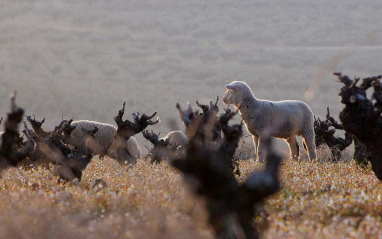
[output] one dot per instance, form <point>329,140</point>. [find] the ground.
<point>317,200</point>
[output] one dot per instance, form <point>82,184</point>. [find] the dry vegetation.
<point>318,200</point>
<point>100,53</point>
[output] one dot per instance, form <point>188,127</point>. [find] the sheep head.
<point>236,92</point>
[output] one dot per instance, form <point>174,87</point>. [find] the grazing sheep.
<point>176,138</point>
<point>173,145</point>
<point>104,143</point>
<point>286,119</point>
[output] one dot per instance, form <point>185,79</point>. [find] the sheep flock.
<point>206,152</point>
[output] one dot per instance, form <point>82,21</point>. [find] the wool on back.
<point>103,138</point>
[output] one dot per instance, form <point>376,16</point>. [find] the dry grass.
<point>101,53</point>
<point>146,201</point>
<point>318,200</point>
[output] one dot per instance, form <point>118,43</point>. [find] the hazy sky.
<point>83,59</point>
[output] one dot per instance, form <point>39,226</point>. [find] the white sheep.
<point>176,138</point>
<point>103,143</point>
<point>284,119</point>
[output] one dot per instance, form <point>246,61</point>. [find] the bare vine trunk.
<point>231,205</point>
<point>362,117</point>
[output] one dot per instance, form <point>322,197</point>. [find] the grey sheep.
<point>282,119</point>
<point>104,143</point>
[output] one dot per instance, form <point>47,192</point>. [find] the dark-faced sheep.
<point>287,118</point>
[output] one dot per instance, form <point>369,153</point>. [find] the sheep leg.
<point>255,143</point>
<point>293,147</point>
<point>305,146</point>
<point>261,151</point>
<point>308,140</point>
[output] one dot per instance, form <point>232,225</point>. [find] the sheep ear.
<point>231,87</point>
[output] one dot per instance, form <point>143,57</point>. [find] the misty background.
<point>83,59</point>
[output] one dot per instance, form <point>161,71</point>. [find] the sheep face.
<point>227,98</point>
<point>235,92</point>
